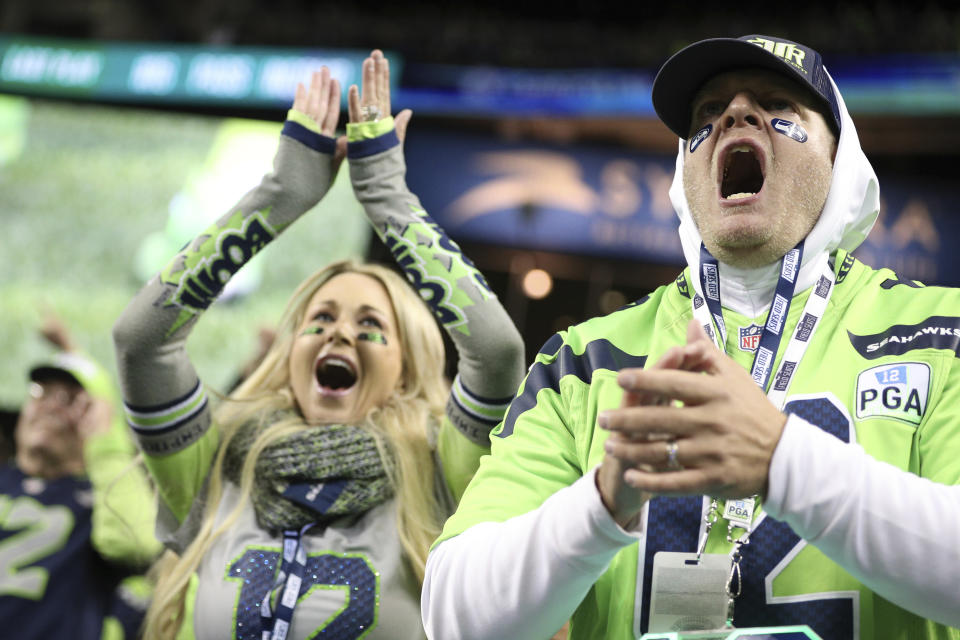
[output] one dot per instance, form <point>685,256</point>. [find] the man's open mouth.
<point>335,373</point>
<point>742,173</point>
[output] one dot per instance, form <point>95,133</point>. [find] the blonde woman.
<point>305,506</point>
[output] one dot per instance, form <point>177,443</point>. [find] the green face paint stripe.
<point>373,336</point>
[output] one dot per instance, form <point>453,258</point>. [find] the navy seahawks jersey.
<point>53,584</point>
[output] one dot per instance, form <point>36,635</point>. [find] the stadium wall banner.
<point>160,73</point>
<point>242,77</point>
<point>613,202</point>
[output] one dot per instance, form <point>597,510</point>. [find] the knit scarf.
<point>340,462</point>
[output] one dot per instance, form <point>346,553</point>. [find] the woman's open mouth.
<point>335,375</point>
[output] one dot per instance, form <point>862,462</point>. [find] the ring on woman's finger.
<point>370,113</point>
<point>672,463</point>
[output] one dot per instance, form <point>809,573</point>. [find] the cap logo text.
<point>787,50</point>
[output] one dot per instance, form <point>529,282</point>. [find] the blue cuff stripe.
<point>161,408</point>
<point>484,400</point>
<point>371,146</point>
<point>148,431</point>
<point>476,417</point>
<point>312,139</point>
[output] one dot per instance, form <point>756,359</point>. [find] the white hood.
<point>852,206</point>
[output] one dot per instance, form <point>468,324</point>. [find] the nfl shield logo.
<point>750,337</point>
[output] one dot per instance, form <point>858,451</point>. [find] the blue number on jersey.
<point>670,529</point>
<point>257,569</point>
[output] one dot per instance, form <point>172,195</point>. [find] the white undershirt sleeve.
<point>521,578</point>
<point>898,533</point>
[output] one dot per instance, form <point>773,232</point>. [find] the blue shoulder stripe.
<point>550,346</point>
<point>599,354</point>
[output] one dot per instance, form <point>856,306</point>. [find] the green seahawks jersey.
<point>891,386</point>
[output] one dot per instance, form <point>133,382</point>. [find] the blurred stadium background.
<point>125,127</point>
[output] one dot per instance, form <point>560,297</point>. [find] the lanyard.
<point>275,622</point>
<point>707,309</point>
<point>318,497</point>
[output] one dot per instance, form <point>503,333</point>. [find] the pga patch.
<point>898,391</point>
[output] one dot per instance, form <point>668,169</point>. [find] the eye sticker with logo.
<point>789,129</point>
<point>311,330</point>
<point>700,136</point>
<point>373,336</point>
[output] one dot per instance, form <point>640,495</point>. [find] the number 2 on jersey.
<point>256,570</point>
<point>40,531</point>
<point>773,547</point>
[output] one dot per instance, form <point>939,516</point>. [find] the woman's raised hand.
<point>321,101</point>
<point>372,101</point>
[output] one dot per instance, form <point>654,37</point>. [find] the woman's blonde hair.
<point>404,428</point>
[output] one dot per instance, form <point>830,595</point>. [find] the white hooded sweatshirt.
<point>559,550</point>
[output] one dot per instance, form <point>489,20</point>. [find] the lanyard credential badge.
<point>739,512</point>
<point>689,591</point>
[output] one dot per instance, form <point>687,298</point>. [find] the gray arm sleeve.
<point>166,406</point>
<point>489,347</point>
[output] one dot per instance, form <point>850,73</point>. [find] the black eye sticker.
<point>789,129</point>
<point>700,136</point>
<point>373,336</point>
<point>311,330</point>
